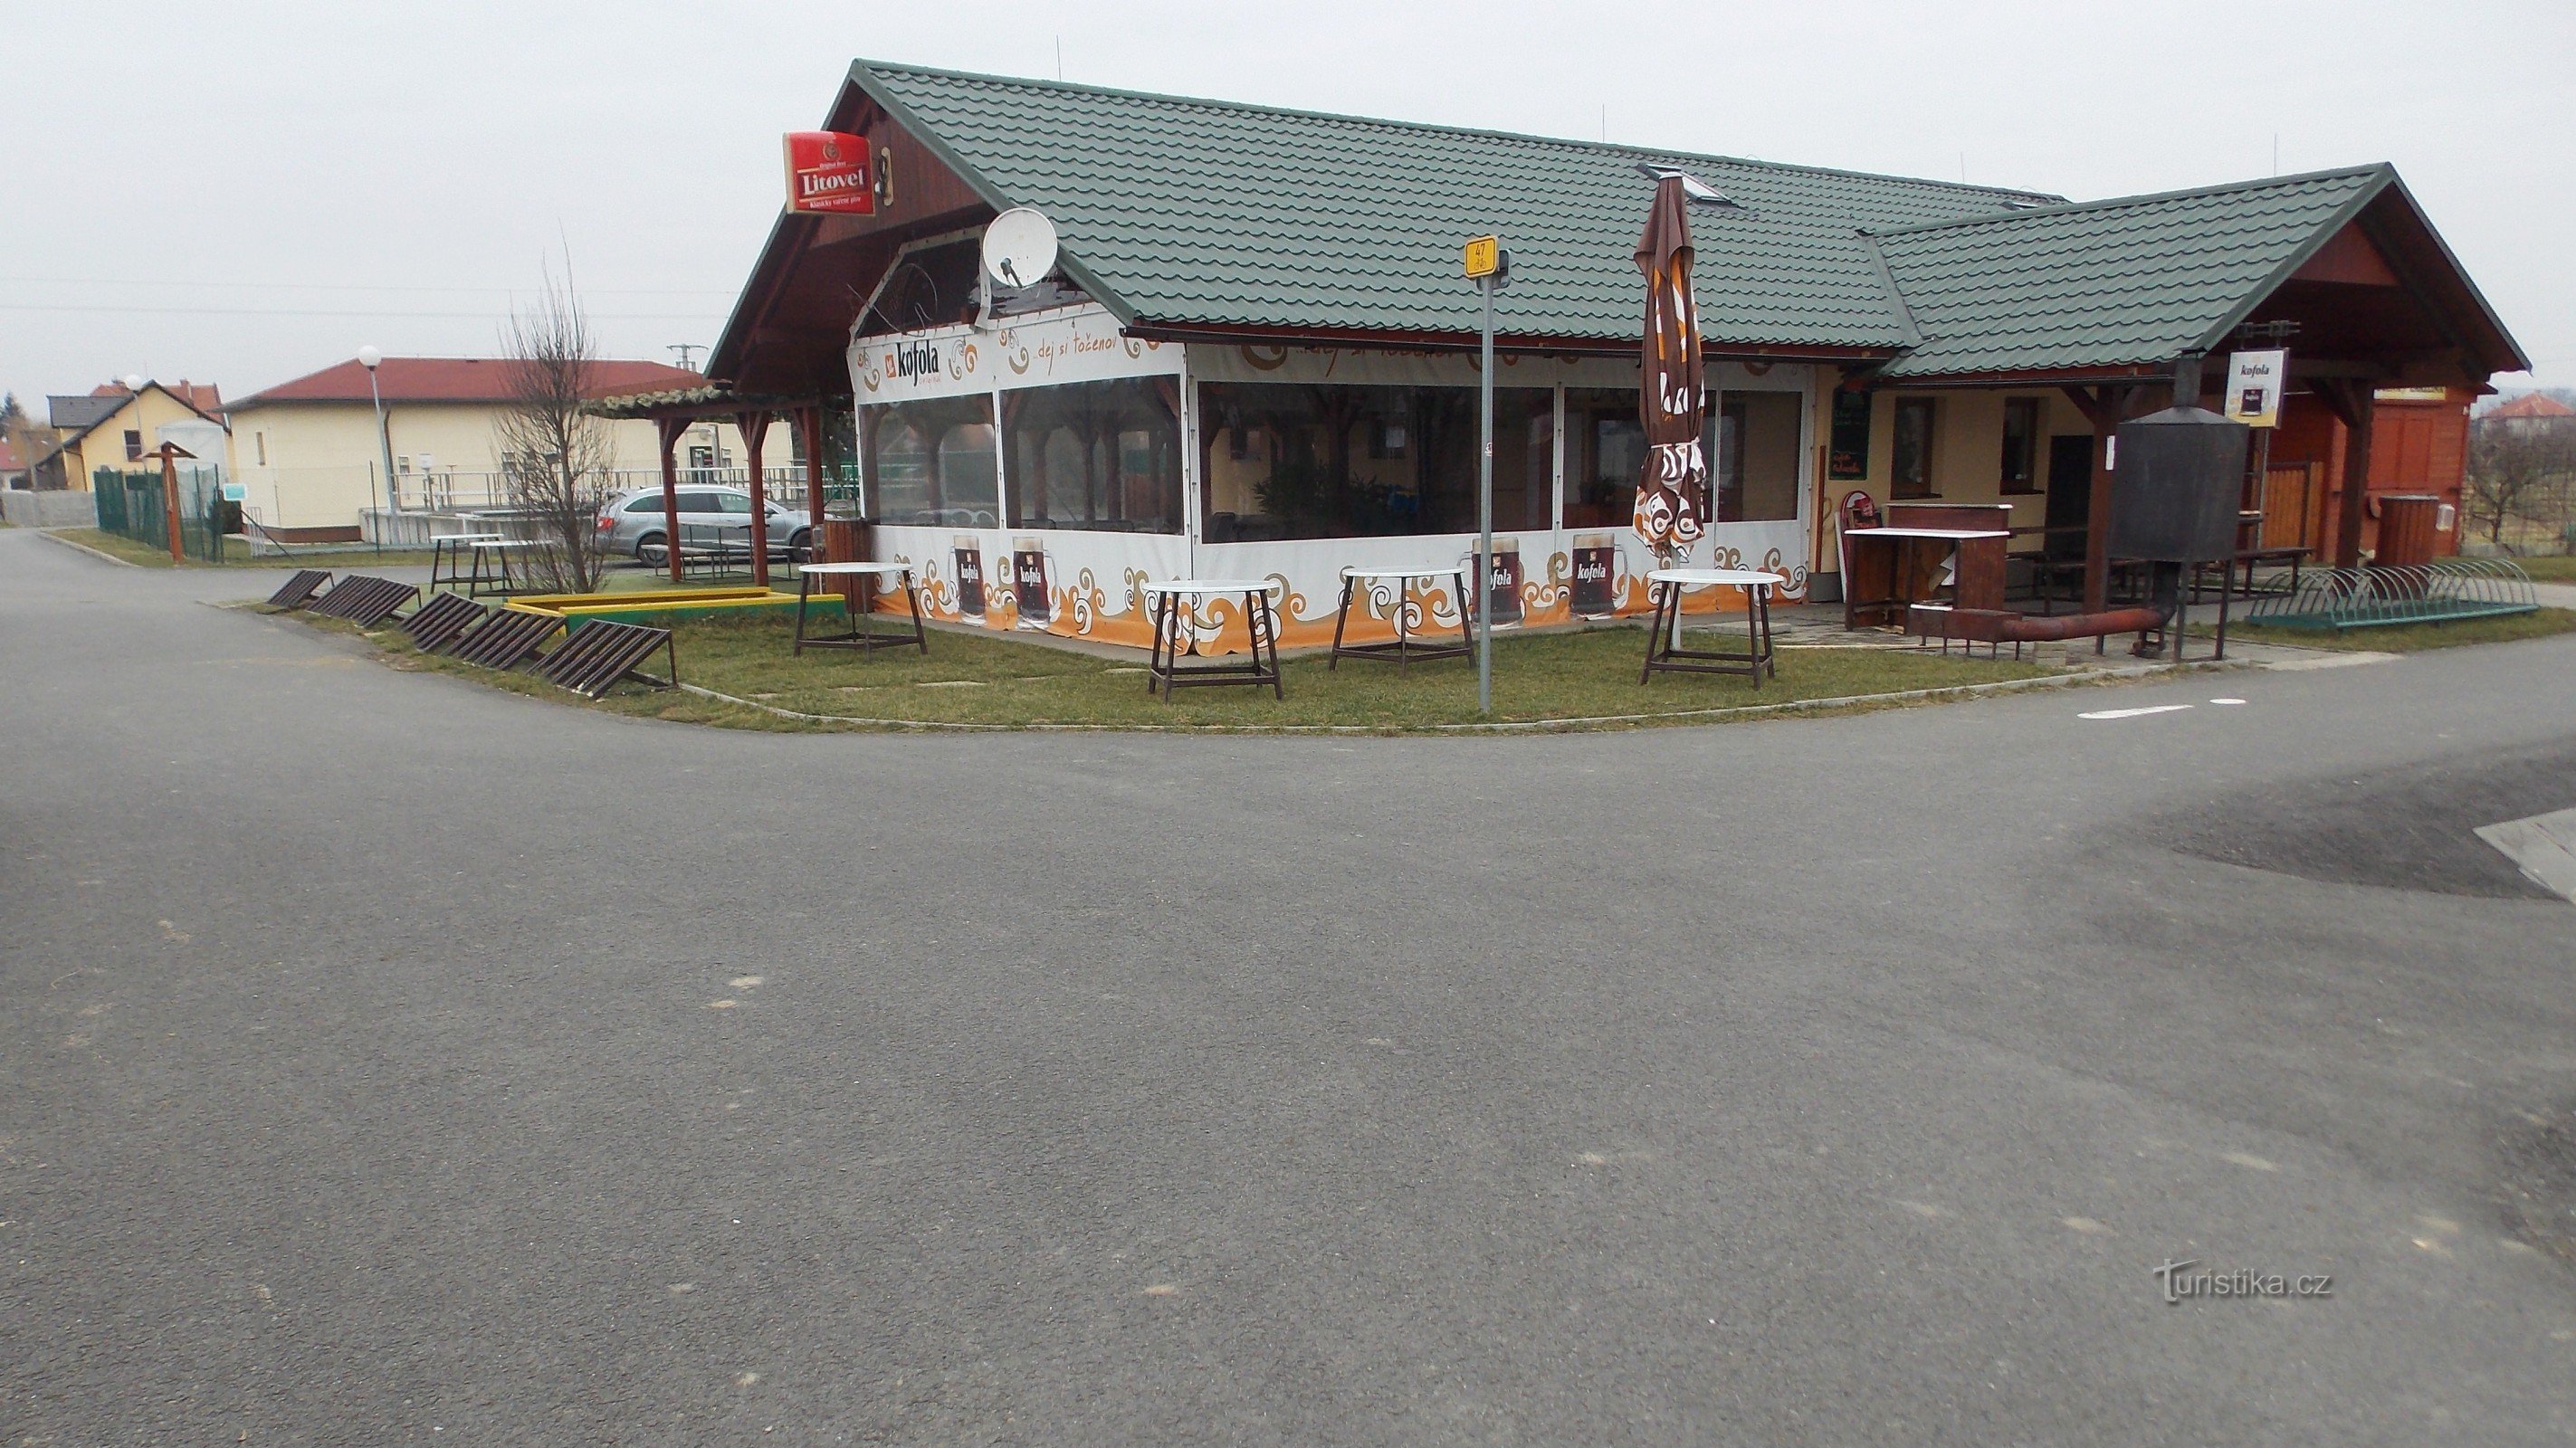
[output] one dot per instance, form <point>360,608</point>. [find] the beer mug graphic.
<point>1503,583</point>
<point>1031,568</point>
<point>970,576</point>
<point>1596,575</point>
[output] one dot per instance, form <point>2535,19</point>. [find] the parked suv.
<point>632,523</point>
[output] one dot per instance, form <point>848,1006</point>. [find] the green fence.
<point>133,505</point>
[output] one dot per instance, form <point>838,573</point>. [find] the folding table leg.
<point>1270,624</point>
<point>1403,635</point>
<point>1340,619</point>
<point>1154,657</point>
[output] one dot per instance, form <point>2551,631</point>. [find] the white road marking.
<point>2132,713</point>
<point>2227,701</point>
<point>2328,661</point>
<point>2543,846</point>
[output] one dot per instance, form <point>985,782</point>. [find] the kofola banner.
<point>828,173</point>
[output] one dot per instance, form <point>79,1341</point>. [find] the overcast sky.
<point>243,193</point>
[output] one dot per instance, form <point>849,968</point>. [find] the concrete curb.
<point>85,548</point>
<point>2123,674</point>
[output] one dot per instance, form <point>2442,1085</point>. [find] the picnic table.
<point>1392,582</point>
<point>1173,599</point>
<point>1663,651</point>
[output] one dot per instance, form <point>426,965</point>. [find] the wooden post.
<point>754,425</point>
<point>2351,402</point>
<point>2102,406</point>
<point>670,429</point>
<point>170,497</point>
<point>809,420</point>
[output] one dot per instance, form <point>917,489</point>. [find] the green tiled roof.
<point>2108,283</point>
<point>1201,212</point>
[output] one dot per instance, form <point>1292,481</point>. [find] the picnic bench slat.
<point>600,653</point>
<point>437,623</point>
<point>299,588</point>
<point>507,638</point>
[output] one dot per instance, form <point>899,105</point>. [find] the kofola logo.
<point>913,359</point>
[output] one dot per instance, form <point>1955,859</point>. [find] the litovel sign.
<point>828,174</point>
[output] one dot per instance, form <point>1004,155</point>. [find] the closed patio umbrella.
<point>1670,513</point>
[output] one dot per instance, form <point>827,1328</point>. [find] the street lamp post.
<point>370,358</point>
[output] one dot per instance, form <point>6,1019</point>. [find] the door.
<point>2291,500</point>
<point>2070,493</point>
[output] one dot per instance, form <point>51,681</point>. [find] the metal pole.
<point>170,502</point>
<point>1485,512</point>
<point>384,440</point>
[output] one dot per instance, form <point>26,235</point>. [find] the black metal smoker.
<point>2178,484</point>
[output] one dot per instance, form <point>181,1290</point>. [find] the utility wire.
<point>325,312</point>
<point>353,287</point>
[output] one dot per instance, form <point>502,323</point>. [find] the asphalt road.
<point>385,1059</point>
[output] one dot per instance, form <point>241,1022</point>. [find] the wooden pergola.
<point>2372,300</point>
<point>674,413</point>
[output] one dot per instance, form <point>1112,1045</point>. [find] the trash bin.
<point>850,540</point>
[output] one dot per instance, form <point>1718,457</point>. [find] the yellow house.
<point>311,460</point>
<point>117,426</point>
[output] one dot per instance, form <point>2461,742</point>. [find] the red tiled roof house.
<point>309,457</point>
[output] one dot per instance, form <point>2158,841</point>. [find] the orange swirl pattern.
<point>1082,610</point>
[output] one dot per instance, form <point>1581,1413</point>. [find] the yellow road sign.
<point>1484,257</point>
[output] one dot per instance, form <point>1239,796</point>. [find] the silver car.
<point>633,524</point>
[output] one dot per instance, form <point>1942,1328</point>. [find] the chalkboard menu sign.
<point>1848,460</point>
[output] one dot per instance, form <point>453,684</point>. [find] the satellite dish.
<point>1019,247</point>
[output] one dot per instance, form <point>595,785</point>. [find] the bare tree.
<point>2520,473</point>
<point>21,432</point>
<point>556,457</point>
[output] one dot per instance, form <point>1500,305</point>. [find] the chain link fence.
<point>136,505</point>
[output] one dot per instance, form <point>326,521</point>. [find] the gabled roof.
<point>2533,404</point>
<point>2137,280</point>
<point>2140,280</point>
<point>1194,213</point>
<point>82,413</point>
<point>106,400</point>
<point>454,379</point>
<point>205,397</point>
<point>1195,218</point>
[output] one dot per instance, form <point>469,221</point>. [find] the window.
<point>1910,471</point>
<point>1101,455</point>
<point>1287,460</point>
<point>935,462</point>
<point>1750,446</point>
<point>2021,445</point>
<point>133,445</point>
<point>1847,459</point>
<point>260,440</point>
<point>1756,457</point>
<point>649,503</point>
<point>1605,451</point>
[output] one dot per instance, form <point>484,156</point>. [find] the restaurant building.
<point>1258,357</point>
